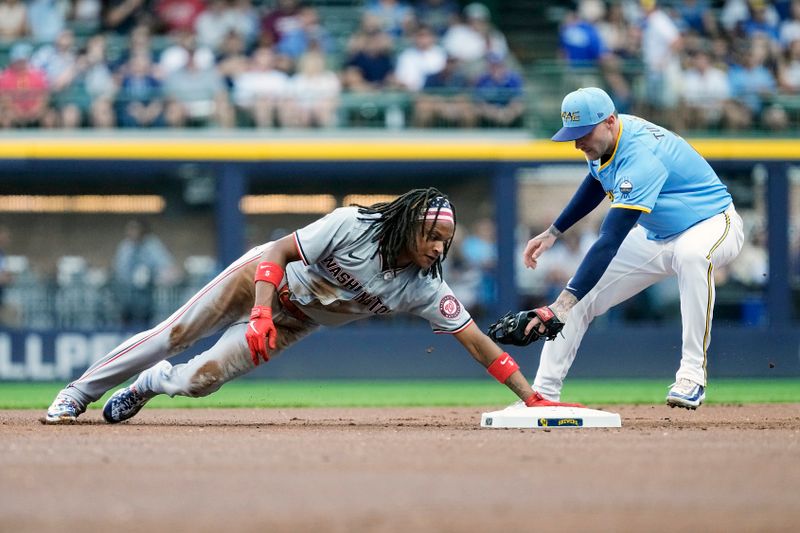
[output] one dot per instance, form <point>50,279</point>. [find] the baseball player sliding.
<point>670,215</point>
<point>354,263</point>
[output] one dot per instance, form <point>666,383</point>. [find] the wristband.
<point>502,367</point>
<point>261,311</point>
<point>269,272</point>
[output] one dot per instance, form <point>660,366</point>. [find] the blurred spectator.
<point>121,16</point>
<point>13,20</point>
<point>232,59</point>
<point>789,70</point>
<point>314,91</point>
<point>499,96</point>
<point>445,99</point>
<point>85,16</point>
<point>23,91</point>
<point>566,256</point>
<point>177,15</point>
<point>370,65</point>
<point>417,62</point>
<point>751,85</point>
<point>139,102</point>
<point>582,46</point>
<point>790,28</point>
<point>223,17</point>
<point>761,22</point>
<point>615,31</point>
<point>308,35</point>
<point>196,96</point>
<point>438,14</point>
<point>705,92</point>
<point>47,19</point>
<point>720,53</point>
<point>279,21</point>
<point>260,91</point>
<point>141,263</point>
<point>397,18</point>
<point>661,47</point>
<point>462,277</point>
<point>471,40</point>
<point>59,62</point>
<point>751,267</point>
<point>176,56</point>
<point>579,37</point>
<point>479,249</point>
<point>697,16</point>
<point>139,42</point>
<point>98,84</point>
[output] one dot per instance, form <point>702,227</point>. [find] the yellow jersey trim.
<point>616,146</point>
<point>633,207</point>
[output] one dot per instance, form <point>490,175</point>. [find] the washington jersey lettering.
<point>657,172</point>
<point>341,278</point>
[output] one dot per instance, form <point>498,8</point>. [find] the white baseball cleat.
<point>687,394</point>
<point>63,410</point>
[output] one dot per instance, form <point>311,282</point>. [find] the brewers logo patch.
<point>560,422</point>
<point>449,306</point>
<point>625,188</point>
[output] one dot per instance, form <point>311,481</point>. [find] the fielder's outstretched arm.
<point>616,226</point>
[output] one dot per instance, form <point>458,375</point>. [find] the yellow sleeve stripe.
<point>634,207</point>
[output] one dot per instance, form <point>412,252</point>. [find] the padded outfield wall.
<point>238,164</point>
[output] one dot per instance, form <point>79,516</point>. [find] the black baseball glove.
<point>510,329</point>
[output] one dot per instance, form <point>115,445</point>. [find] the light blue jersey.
<point>657,172</point>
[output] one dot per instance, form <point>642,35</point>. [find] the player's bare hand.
<point>261,333</point>
<point>552,317</point>
<point>536,247</point>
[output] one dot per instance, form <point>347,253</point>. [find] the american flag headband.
<point>439,209</point>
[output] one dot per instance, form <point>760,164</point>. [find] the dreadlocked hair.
<point>399,222</point>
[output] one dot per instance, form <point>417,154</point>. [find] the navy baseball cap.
<point>581,111</point>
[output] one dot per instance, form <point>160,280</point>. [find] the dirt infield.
<point>722,468</point>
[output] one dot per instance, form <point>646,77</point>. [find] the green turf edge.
<point>423,393</point>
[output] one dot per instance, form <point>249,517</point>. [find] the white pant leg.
<point>638,264</point>
<point>712,243</point>
<point>226,299</point>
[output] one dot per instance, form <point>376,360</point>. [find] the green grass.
<point>391,393</point>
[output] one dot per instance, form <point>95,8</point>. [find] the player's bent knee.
<point>207,379</point>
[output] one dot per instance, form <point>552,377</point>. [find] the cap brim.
<point>570,134</point>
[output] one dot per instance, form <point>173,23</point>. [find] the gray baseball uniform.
<point>341,278</point>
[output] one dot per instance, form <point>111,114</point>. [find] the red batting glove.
<point>537,400</point>
<point>258,331</point>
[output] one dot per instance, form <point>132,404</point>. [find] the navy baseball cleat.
<point>124,404</point>
<point>63,410</point>
<point>687,394</point>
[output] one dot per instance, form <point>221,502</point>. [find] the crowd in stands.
<point>729,65</point>
<point>710,65</point>
<point>245,63</point>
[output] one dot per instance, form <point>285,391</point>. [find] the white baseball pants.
<point>223,304</point>
<point>639,263</point>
